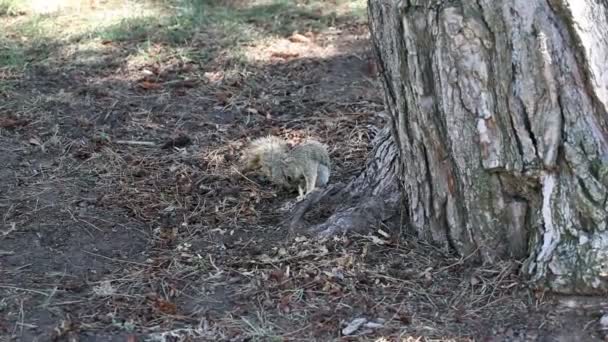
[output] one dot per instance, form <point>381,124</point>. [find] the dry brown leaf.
<point>284,304</point>
<point>371,67</point>
<point>276,275</point>
<point>10,123</point>
<point>311,35</point>
<point>284,55</point>
<point>183,84</point>
<point>165,306</point>
<point>149,85</point>
<point>214,76</point>
<point>298,38</point>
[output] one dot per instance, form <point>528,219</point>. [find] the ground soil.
<point>104,238</point>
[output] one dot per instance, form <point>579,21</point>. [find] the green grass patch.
<point>131,29</point>
<point>197,29</point>
<point>179,22</point>
<point>10,7</point>
<point>26,40</point>
<point>276,17</point>
<point>12,55</point>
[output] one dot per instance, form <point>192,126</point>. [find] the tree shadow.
<point>200,30</point>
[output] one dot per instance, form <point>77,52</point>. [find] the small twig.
<point>69,302</point>
<point>23,289</point>
<point>114,259</point>
<point>11,229</point>
<point>242,175</point>
<point>50,296</point>
<point>90,224</point>
<point>135,142</point>
<point>459,262</point>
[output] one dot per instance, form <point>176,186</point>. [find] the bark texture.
<point>499,116</point>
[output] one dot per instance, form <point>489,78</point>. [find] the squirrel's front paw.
<point>300,198</point>
<point>287,207</point>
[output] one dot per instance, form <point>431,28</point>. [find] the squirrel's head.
<point>291,174</point>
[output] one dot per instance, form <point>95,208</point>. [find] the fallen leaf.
<point>214,76</point>
<point>377,240</point>
<point>371,67</point>
<point>276,275</point>
<point>373,325</point>
<point>298,38</point>
<point>383,233</point>
<point>604,322</point>
<point>284,304</point>
<point>353,326</point>
<point>223,97</point>
<point>404,318</point>
<point>180,141</point>
<point>82,154</point>
<point>284,55</point>
<point>310,35</point>
<point>11,123</point>
<point>165,306</point>
<point>149,85</point>
<point>35,141</point>
<point>183,84</point>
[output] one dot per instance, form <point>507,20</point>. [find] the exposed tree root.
<point>370,199</point>
<point>295,220</point>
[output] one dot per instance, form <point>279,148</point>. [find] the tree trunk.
<point>498,113</point>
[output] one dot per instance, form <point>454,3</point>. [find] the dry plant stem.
<point>134,142</point>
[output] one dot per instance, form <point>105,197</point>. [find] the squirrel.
<point>305,166</point>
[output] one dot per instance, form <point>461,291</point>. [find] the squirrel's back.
<point>308,156</point>
<point>311,149</point>
<point>263,152</point>
<point>286,166</point>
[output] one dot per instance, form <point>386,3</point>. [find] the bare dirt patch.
<point>123,217</point>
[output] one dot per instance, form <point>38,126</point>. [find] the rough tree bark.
<point>499,114</point>
<point>498,123</point>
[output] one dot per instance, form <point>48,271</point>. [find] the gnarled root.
<point>371,199</point>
